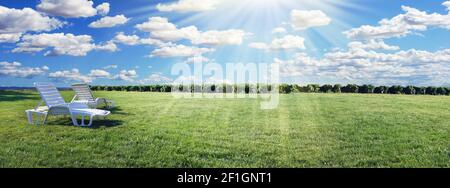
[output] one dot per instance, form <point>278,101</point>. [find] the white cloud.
<point>304,19</point>
<point>259,45</point>
<point>103,9</point>
<point>16,21</point>
<point>15,69</point>
<point>153,42</point>
<point>98,73</point>
<point>188,6</point>
<point>113,66</point>
<point>108,21</point>
<point>447,4</point>
<point>126,75</point>
<point>401,25</point>
<point>214,37</point>
<point>359,65</point>
<point>176,34</point>
<point>10,37</point>
<point>160,28</point>
<point>373,45</point>
<point>179,51</point>
<point>60,44</point>
<point>70,75</point>
<point>198,59</point>
<point>156,24</point>
<point>279,30</point>
<point>288,42</point>
<point>126,39</point>
<point>156,78</point>
<point>68,9</point>
<point>133,40</point>
<point>109,46</point>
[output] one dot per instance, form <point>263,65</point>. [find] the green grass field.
<point>306,130</point>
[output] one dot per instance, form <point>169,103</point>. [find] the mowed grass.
<point>306,130</point>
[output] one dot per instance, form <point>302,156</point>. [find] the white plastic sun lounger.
<point>83,94</point>
<point>57,106</point>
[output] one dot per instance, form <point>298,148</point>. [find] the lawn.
<point>306,130</point>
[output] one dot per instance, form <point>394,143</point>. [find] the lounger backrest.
<point>83,92</point>
<point>49,94</point>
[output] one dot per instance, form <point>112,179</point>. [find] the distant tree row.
<point>284,88</point>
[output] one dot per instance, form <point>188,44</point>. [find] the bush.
<point>395,90</point>
<point>350,88</point>
<point>296,88</point>
<point>309,88</point>
<point>285,88</point>
<point>326,88</point>
<point>380,89</point>
<point>94,88</point>
<point>420,90</point>
<point>409,90</point>
<point>366,89</point>
<point>135,88</point>
<point>441,91</point>
<point>337,88</point>
<point>431,91</point>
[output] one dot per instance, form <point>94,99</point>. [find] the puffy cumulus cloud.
<point>259,45</point>
<point>188,6</point>
<point>179,51</point>
<point>108,46</point>
<point>70,75</point>
<point>363,66</point>
<point>447,4</point>
<point>15,69</point>
<point>156,24</point>
<point>156,78</point>
<point>60,44</point>
<point>126,75</point>
<point>16,21</point>
<point>160,28</point>
<point>113,66</point>
<point>75,75</point>
<point>153,42</point>
<point>304,19</point>
<point>373,45</point>
<point>126,39</point>
<point>103,9</point>
<point>288,42</point>
<point>279,30</point>
<point>108,21</point>
<point>411,21</point>
<point>214,37</point>
<point>198,59</point>
<point>10,37</point>
<point>68,9</point>
<point>98,73</point>
<point>133,40</point>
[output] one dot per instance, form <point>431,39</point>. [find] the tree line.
<point>283,88</point>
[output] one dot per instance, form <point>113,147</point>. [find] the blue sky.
<point>317,42</point>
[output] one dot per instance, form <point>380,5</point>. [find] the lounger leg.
<point>30,117</point>
<point>90,120</point>
<point>82,120</point>
<point>74,120</point>
<point>45,119</point>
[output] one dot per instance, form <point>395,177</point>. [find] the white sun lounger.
<point>57,106</point>
<point>83,94</point>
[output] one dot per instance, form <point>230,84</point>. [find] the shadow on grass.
<point>118,110</point>
<point>97,123</point>
<point>10,95</point>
